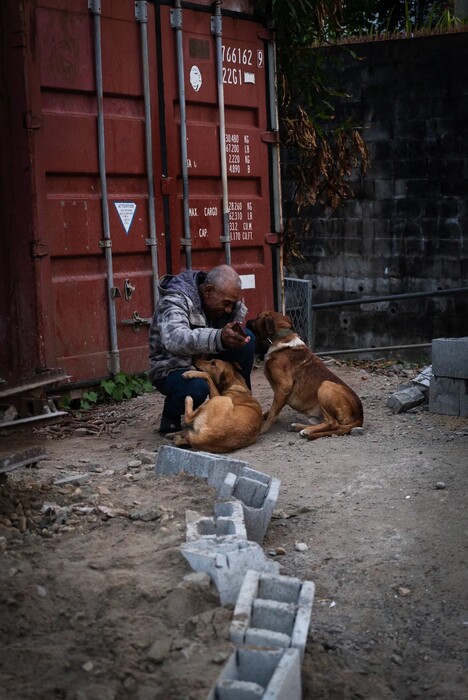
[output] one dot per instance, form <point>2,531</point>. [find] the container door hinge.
<point>39,249</point>
<point>31,122</point>
<point>271,137</point>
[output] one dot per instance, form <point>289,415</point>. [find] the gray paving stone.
<point>404,399</point>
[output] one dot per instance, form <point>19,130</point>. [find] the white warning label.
<point>126,210</point>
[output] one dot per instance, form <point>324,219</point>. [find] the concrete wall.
<point>406,229</point>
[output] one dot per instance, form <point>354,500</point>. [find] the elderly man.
<point>194,316</point>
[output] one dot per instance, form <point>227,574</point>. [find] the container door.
<point>246,145</point>
<point>71,251</point>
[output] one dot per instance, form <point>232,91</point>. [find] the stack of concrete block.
<point>273,611</point>
<point>448,391</point>
<point>260,674</point>
<point>232,478</point>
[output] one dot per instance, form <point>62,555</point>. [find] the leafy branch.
<point>326,150</point>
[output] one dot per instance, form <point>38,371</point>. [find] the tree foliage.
<point>376,17</point>
<point>326,150</point>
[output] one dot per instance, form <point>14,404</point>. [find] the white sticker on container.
<point>249,78</point>
<point>247,281</point>
<point>195,78</point>
<point>126,210</point>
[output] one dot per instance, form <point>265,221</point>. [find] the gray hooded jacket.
<point>180,329</point>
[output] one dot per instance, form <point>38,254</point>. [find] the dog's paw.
<point>191,374</point>
<point>293,428</point>
<point>304,434</point>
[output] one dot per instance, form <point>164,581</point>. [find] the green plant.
<point>120,388</point>
<point>125,386</point>
<point>89,399</point>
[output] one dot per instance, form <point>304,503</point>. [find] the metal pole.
<point>141,15</point>
<point>94,6</point>
<point>390,297</point>
<point>176,24</point>
<point>217,30</point>
<point>380,347</point>
<point>275,174</point>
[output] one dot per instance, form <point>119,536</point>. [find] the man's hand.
<point>231,339</point>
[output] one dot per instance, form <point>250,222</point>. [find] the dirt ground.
<point>97,602</point>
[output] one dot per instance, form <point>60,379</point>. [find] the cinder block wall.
<point>406,229</point>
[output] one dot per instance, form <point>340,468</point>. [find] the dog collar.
<point>280,334</point>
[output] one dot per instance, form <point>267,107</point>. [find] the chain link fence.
<point>298,306</point>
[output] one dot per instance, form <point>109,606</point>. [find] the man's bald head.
<point>223,276</point>
<point>220,291</point>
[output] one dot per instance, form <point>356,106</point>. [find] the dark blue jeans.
<point>175,388</point>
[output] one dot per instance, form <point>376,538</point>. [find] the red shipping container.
<point>139,139</point>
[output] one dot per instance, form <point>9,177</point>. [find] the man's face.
<point>219,301</point>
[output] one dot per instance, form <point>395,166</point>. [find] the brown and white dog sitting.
<point>301,380</point>
<point>229,419</point>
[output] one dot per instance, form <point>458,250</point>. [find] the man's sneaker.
<point>168,425</point>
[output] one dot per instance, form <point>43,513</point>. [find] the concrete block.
<point>214,468</point>
<point>401,401</point>
<point>259,494</point>
<point>450,357</point>
<point>464,398</point>
<point>273,610</point>
<point>232,478</point>
<point>269,674</point>
<point>228,521</point>
<point>226,561</point>
<point>444,395</point>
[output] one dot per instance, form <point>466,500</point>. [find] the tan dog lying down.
<point>301,380</point>
<point>230,419</point>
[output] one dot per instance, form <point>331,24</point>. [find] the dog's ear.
<point>222,381</point>
<point>270,325</point>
